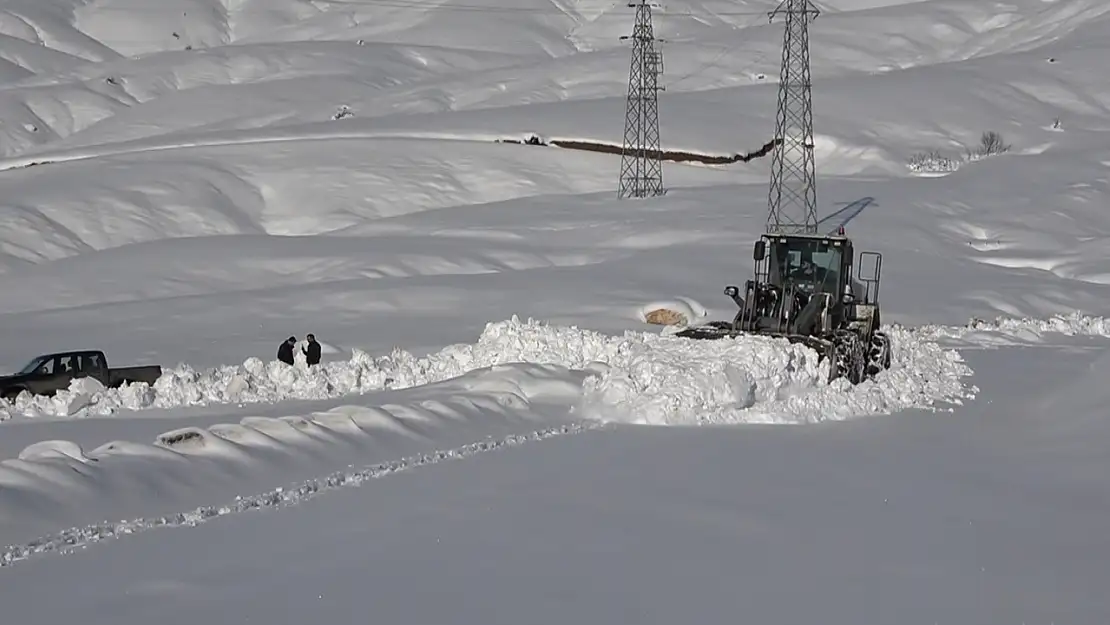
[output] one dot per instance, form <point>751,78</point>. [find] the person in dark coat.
<point>312,352</point>
<point>285,352</point>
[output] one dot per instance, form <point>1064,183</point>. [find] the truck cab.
<point>70,364</point>
<point>49,373</point>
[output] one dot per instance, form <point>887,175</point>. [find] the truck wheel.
<point>11,394</point>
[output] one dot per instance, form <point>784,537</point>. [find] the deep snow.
<point>54,484</point>
<point>640,377</point>
<point>992,515</point>
<point>193,182</point>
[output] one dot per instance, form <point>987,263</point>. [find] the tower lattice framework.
<point>641,164</point>
<point>793,193</point>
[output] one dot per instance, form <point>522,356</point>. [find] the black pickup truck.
<point>50,373</point>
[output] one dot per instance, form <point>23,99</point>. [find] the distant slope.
<point>378,120</point>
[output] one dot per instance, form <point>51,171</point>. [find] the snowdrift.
<point>1011,331</point>
<point>521,381</point>
<point>638,377</point>
<point>56,484</point>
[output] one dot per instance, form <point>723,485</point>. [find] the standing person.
<point>312,352</point>
<point>285,352</point>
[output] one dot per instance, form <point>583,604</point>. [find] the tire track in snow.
<point>71,540</point>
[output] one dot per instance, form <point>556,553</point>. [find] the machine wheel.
<point>848,357</point>
<point>878,354</point>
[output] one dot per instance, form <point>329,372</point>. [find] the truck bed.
<point>127,375</point>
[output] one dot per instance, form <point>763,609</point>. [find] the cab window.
<point>91,362</point>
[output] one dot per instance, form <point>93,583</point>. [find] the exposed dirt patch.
<point>666,155</point>
<point>666,317</point>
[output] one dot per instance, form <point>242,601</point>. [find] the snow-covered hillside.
<point>231,151</point>
<point>189,182</point>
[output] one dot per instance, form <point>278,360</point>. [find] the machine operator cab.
<point>806,263</point>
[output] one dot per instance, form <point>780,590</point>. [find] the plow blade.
<point>722,329</point>
<point>711,330</point>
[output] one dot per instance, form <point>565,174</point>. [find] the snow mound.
<point>666,380</point>
<point>1007,330</point>
<point>638,377</point>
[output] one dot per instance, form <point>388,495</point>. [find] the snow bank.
<point>56,484</point>
<point>77,538</point>
<point>1008,330</point>
<point>639,377</point>
<point>673,381</point>
<point>522,380</point>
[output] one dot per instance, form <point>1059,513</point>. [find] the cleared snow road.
<point>993,514</point>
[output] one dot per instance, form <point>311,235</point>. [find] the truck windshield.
<point>34,364</point>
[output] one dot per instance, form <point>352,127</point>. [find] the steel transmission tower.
<point>793,196</point>
<point>641,166</point>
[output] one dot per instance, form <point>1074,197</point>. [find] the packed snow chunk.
<point>1073,324</point>
<point>1010,330</point>
<point>84,397</point>
<point>922,374</point>
<point>667,380</point>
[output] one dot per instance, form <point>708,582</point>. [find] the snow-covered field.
<point>188,182</point>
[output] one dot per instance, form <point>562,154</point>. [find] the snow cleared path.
<point>866,521</point>
<point>642,377</point>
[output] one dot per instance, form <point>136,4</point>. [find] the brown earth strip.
<point>666,155</point>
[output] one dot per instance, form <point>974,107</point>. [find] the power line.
<point>425,5</point>
<point>720,56</point>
